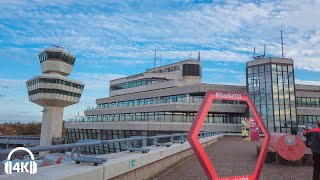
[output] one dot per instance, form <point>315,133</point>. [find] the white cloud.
<point>11,83</point>
<point>307,82</point>
<point>125,33</point>
<point>221,31</point>
<point>222,70</point>
<point>95,81</point>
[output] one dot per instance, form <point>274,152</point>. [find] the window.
<point>173,98</point>
<point>182,98</point>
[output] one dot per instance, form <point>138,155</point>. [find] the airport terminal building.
<point>166,99</point>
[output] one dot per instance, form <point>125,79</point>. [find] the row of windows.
<point>56,81</point>
<point>159,100</point>
<point>266,68</point>
<point>139,102</point>
<point>308,119</point>
<point>256,80</point>
<point>56,55</point>
<point>308,102</point>
<point>135,83</point>
<point>55,91</point>
<point>160,117</point>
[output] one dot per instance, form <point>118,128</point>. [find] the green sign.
<point>132,163</point>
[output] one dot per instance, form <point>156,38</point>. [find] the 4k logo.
<point>20,166</point>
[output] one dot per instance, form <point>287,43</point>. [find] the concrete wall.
<point>200,87</point>
<point>51,126</point>
<point>270,60</point>
<point>174,74</point>
<point>56,66</point>
<point>311,111</point>
<point>117,166</point>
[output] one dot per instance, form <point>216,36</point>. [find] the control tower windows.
<point>57,56</point>
<point>56,81</point>
<point>54,91</point>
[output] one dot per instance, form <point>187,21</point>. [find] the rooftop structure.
<point>53,90</point>
<point>270,82</point>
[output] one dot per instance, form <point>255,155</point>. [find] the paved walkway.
<point>233,156</point>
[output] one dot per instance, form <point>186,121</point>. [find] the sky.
<point>116,38</point>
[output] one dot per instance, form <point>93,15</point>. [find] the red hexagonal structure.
<point>197,124</point>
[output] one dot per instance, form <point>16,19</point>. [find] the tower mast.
<point>282,45</point>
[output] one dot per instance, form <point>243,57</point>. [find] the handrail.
<point>77,147</point>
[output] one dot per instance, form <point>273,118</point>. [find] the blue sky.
<point>116,38</point>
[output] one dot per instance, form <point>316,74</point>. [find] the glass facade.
<point>136,83</point>
<point>271,87</point>
<point>161,117</point>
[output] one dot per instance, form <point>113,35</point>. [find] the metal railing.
<point>77,147</point>
<point>20,137</point>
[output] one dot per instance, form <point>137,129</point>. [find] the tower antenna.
<point>155,58</point>
<point>198,56</point>
<point>57,46</point>
<point>282,45</point>
<point>259,56</point>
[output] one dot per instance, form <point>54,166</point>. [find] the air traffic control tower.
<point>54,90</point>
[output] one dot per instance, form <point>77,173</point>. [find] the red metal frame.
<point>197,124</point>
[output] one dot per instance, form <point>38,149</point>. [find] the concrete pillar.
<point>51,127</point>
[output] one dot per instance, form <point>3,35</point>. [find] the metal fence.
<point>76,148</point>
